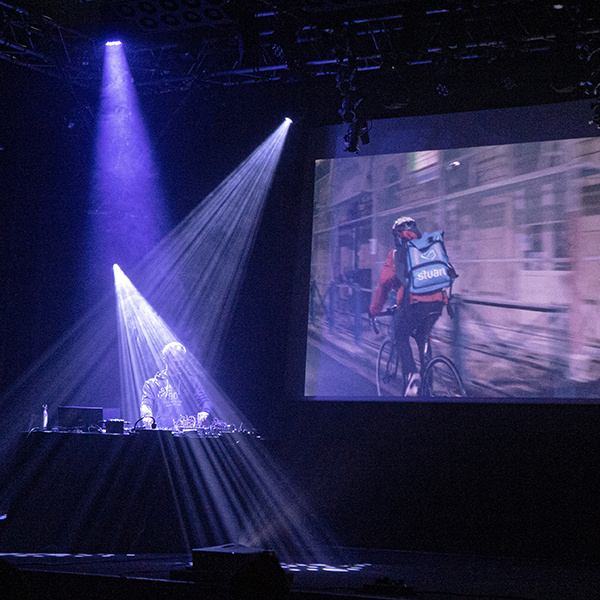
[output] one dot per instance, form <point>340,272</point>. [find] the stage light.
<point>252,502</point>
<point>442,90</point>
<point>351,139</point>
<point>192,276</point>
<point>126,200</point>
<point>288,121</point>
<point>142,336</point>
<point>113,43</point>
<point>352,110</point>
<point>356,130</point>
<point>595,119</point>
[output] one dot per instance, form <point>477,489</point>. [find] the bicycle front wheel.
<point>388,371</point>
<point>441,379</point>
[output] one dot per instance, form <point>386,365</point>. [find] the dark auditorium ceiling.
<point>407,57</point>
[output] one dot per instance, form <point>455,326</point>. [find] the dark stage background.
<point>498,479</point>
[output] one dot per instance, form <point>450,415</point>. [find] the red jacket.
<point>388,281</point>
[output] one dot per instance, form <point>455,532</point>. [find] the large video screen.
<point>521,225</point>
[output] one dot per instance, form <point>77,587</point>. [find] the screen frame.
<point>567,120</point>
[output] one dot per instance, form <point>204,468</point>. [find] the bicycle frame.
<point>430,367</point>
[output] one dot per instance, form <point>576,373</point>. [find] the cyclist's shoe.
<point>413,385</point>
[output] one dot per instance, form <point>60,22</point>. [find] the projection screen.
<point>521,225</point>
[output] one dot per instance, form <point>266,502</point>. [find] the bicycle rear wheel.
<point>388,371</point>
<point>441,379</point>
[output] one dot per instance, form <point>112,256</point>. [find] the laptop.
<point>80,417</point>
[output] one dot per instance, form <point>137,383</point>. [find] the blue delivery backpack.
<point>429,269</point>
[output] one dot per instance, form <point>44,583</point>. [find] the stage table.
<point>142,492</point>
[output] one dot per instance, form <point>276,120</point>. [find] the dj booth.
<point>146,491</point>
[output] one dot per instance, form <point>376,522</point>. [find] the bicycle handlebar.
<point>373,323</point>
<point>386,313</point>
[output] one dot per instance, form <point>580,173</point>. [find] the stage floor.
<point>368,574</point>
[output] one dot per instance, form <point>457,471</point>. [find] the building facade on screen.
<point>522,228</point>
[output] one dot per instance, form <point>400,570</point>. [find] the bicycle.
<point>439,376</point>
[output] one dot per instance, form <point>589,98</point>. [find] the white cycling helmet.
<point>404,223</point>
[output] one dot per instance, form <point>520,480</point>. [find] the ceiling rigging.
<point>403,57</point>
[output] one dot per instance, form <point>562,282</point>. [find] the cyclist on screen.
<point>416,311</point>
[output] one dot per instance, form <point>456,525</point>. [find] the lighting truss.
<point>42,44</point>
<point>274,41</point>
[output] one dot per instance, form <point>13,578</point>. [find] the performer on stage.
<point>172,393</point>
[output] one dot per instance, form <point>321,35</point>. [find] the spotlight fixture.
<point>591,84</point>
<point>351,139</point>
<point>442,90</point>
<point>125,10</point>
<point>352,108</point>
<point>170,20</point>
<point>147,7</point>
<point>595,119</point>
<point>213,13</point>
<point>508,83</point>
<point>350,102</point>
<point>192,17</point>
<point>113,43</point>
<point>357,130</point>
<point>149,23</point>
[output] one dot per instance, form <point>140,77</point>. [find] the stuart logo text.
<point>431,273</point>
